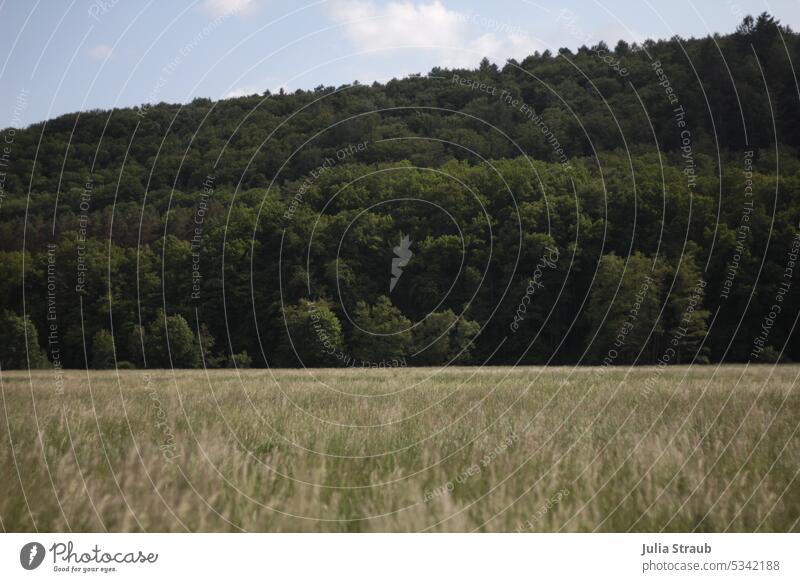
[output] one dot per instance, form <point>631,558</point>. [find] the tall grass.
<point>460,449</point>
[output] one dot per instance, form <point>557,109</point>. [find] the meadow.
<point>700,448</point>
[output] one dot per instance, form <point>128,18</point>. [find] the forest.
<point>628,205</point>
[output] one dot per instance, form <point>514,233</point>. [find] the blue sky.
<point>70,55</point>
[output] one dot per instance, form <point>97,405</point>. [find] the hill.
<point>605,206</point>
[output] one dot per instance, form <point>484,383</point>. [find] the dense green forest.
<point>604,206</point>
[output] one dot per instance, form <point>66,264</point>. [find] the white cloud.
<point>372,27</point>
<point>487,44</point>
<point>223,7</point>
<point>457,39</point>
<point>521,45</point>
<point>99,52</point>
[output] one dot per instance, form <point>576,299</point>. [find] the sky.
<point>62,56</point>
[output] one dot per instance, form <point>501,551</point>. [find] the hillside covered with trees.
<point>606,206</point>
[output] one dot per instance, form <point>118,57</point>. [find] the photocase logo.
<point>403,256</point>
<point>31,555</point>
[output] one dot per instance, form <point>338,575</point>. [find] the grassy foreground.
<point>460,449</point>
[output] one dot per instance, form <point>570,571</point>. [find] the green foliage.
<point>314,335</point>
<point>19,343</point>
<point>103,350</point>
<point>687,318</point>
<point>478,186</point>
<point>383,333</point>
<point>134,344</point>
<point>443,338</point>
<point>240,360</point>
<point>169,342</point>
<point>624,308</point>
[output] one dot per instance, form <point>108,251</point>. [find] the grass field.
<point>460,449</point>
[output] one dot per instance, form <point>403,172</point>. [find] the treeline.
<point>556,210</point>
<point>536,276</point>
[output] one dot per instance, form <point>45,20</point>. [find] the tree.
<point>103,350</point>
<point>170,341</point>
<point>747,26</point>
<point>11,276</point>
<point>623,308</point>
<point>687,319</point>
<point>442,337</point>
<point>212,244</point>
<point>204,346</point>
<point>383,333</point>
<point>462,338</point>
<point>314,335</point>
<point>134,344</point>
<point>19,343</point>
<point>240,360</point>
